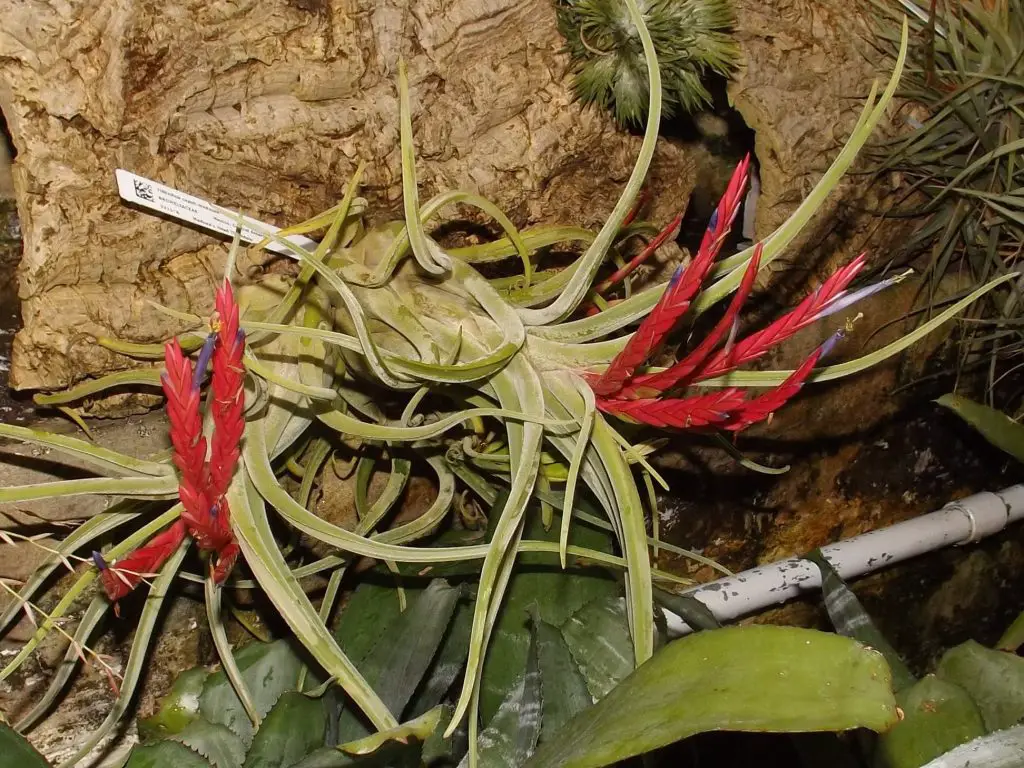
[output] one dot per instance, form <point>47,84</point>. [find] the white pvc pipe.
<point>959,522</point>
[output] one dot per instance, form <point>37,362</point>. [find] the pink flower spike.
<point>678,413</point>
<point>806,312</point>
<point>669,232</point>
<point>655,383</point>
<point>847,299</point>
<point>763,406</point>
<point>675,301</point>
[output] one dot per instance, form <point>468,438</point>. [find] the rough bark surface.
<point>269,106</point>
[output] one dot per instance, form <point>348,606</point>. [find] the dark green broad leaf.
<point>399,659</point>
<point>564,689</point>
<point>268,669</point>
<point>165,754</point>
<point>557,594</point>
<point>511,736</point>
<point>439,750</point>
<point>1002,749</point>
<point>753,678</point>
<point>599,640</point>
<point>214,742</point>
<point>447,664</point>
<point>294,728</point>
<point>937,716</point>
<point>15,750</point>
<point>995,426</point>
<point>994,679</point>
<point>850,619</point>
<point>178,708</point>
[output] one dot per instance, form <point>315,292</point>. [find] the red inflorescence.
<point>202,483</point>
<point>677,297</point>
<point>642,398</point>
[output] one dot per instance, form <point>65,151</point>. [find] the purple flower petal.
<point>713,221</point>
<point>847,299</point>
<point>203,362</point>
<point>831,341</point>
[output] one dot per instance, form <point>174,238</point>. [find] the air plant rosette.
<point>962,163</point>
<point>388,339</point>
<point>691,39</point>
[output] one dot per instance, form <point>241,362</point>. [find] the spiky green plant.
<point>356,344</point>
<point>691,38</point>
<point>966,157</point>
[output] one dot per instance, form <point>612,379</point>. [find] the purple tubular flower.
<point>97,558</point>
<point>713,221</point>
<point>203,362</point>
<point>831,341</point>
<point>848,299</point>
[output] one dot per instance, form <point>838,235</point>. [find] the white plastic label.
<point>178,205</point>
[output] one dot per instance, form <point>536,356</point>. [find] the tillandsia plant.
<point>205,515</point>
<point>499,385</point>
<point>965,158</point>
<point>691,38</point>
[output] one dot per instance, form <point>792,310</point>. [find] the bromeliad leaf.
<point>798,680</point>
<point>997,750</point>
<point>1013,637</point>
<point>165,754</point>
<point>17,751</point>
<point>996,427</point>
<point>294,728</point>
<point>937,716</point>
<point>178,708</point>
<point>215,743</point>
<point>268,670</point>
<point>564,690</point>
<point>511,735</point>
<point>994,679</point>
<point>401,656</point>
<point>556,595</point>
<point>447,665</point>
<point>598,638</point>
<point>850,619</point>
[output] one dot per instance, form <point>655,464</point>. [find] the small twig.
<point>55,623</point>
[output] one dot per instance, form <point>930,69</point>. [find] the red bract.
<point>679,413</point>
<point>805,313</point>
<point>654,383</point>
<point>202,482</point>
<point>677,296</point>
<point>763,406</point>
<point>641,399</point>
<point>145,561</point>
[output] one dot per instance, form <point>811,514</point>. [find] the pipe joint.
<point>987,513</point>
